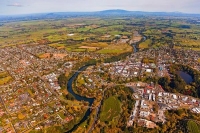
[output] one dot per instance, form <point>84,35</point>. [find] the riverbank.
<point>78,97</point>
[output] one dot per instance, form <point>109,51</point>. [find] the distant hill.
<point>125,12</point>
<point>120,12</point>
<point>106,13</point>
<point>117,11</point>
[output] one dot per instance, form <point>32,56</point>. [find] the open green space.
<point>72,33</point>
<point>110,109</point>
<point>193,127</point>
<point>3,74</point>
<point>98,47</point>
<point>30,92</point>
<point>4,78</point>
<point>116,49</point>
<point>54,129</point>
<point>145,44</point>
<point>110,51</point>
<point>81,47</point>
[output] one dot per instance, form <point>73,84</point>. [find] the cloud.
<point>15,5</point>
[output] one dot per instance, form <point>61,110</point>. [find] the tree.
<point>164,81</point>
<point>62,80</point>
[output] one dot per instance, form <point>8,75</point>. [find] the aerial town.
<point>153,62</point>
<point>151,99</point>
<point>31,98</point>
<point>98,74</point>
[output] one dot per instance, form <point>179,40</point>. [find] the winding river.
<point>78,97</point>
<point>89,100</point>
<point>136,45</point>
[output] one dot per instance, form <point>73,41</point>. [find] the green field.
<point>80,47</point>
<point>193,127</point>
<point>98,47</point>
<point>191,48</point>
<point>3,74</point>
<point>159,32</point>
<point>110,51</point>
<point>145,44</point>
<point>116,49</point>
<point>4,78</point>
<point>92,29</point>
<point>53,129</point>
<point>110,109</point>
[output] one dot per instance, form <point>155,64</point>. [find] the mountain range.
<point>116,12</point>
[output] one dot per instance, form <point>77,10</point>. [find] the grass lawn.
<point>3,74</point>
<point>44,55</point>
<point>30,92</point>
<point>81,47</point>
<point>79,50</point>
<point>111,108</point>
<point>145,44</point>
<point>110,51</point>
<point>5,80</point>
<point>52,129</point>
<point>195,49</point>
<point>52,38</point>
<point>21,116</point>
<point>61,114</point>
<point>98,44</point>
<point>189,42</point>
<point>193,127</point>
<point>116,49</point>
<point>57,45</point>
<point>81,80</point>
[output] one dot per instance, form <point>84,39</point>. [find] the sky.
<point>11,7</point>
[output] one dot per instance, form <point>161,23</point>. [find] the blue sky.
<point>8,7</point>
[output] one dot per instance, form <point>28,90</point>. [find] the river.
<point>79,98</point>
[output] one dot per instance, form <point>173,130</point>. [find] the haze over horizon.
<point>12,7</point>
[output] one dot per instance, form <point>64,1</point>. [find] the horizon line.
<point>178,12</point>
